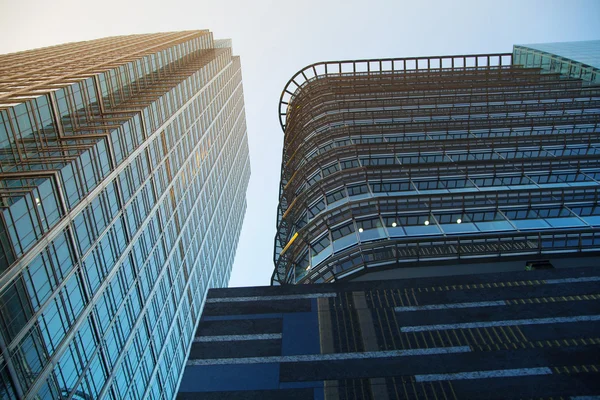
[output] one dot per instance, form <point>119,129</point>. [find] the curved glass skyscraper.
<point>124,166</point>
<point>456,161</point>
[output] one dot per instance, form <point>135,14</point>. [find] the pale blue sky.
<point>277,38</point>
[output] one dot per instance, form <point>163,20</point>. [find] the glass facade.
<point>428,161</point>
<point>124,167</point>
<point>574,59</point>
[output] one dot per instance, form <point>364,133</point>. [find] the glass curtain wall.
<point>124,165</point>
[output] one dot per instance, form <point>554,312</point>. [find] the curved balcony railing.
<point>358,67</point>
<point>558,113</point>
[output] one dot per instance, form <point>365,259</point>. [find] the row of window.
<point>362,230</point>
<point>533,180</point>
<point>445,157</point>
<point>446,135</point>
<point>511,93</point>
<point>438,248</point>
<point>448,112</point>
<point>459,122</point>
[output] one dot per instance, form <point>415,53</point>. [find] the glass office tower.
<point>124,166</point>
<point>573,59</point>
<point>457,163</point>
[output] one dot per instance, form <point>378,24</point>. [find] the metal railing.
<point>383,65</point>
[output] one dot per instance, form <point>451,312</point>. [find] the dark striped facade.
<point>512,335</point>
<point>434,161</point>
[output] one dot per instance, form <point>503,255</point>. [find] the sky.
<point>275,39</point>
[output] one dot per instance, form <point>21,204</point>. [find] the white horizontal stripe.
<point>486,324</point>
<point>231,338</point>
<point>269,298</point>
<point>451,305</point>
<point>501,373</point>
<point>572,280</point>
<point>333,357</point>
